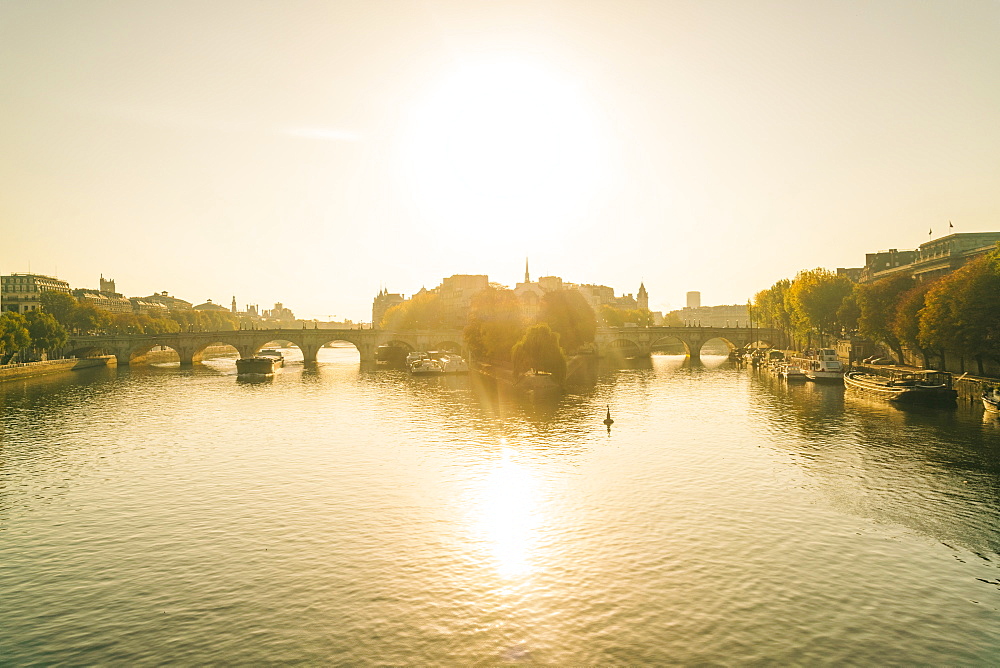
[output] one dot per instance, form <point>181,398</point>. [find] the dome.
<point>209,306</point>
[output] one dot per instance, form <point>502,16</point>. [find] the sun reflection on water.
<point>508,516</point>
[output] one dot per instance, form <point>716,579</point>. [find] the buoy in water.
<point>608,421</point>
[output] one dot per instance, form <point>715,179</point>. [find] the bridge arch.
<point>449,346</point>
<point>88,350</point>
<point>665,343</point>
<point>399,343</point>
<point>310,349</point>
<point>137,354</point>
<point>623,347</point>
<point>198,353</point>
<point>730,345</point>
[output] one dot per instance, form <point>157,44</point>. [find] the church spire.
<point>527,277</point>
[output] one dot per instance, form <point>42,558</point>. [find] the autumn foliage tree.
<point>962,311</point>
<point>878,303</point>
<point>816,297</point>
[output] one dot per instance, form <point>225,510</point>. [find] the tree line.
<point>47,329</point>
<point>955,314</point>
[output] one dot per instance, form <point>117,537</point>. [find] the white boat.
<point>823,365</point>
<point>903,386</point>
<point>991,400</point>
<point>453,363</point>
<point>791,372</point>
<point>426,366</point>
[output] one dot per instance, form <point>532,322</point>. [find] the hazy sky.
<point>311,152</point>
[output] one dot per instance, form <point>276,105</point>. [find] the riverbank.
<point>31,369</point>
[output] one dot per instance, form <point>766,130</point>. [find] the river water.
<point>343,516</point>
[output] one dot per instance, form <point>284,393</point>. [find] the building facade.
<point>21,293</point>
<point>728,315</point>
<point>384,301</point>
<point>933,259</point>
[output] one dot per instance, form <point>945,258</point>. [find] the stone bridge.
<point>625,341</point>
<point>640,341</point>
<point>191,345</point>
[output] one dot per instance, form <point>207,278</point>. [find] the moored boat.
<point>453,363</point>
<point>424,364</point>
<point>991,400</point>
<point>257,366</point>
<point>903,386</point>
<point>790,372</point>
<point>824,365</point>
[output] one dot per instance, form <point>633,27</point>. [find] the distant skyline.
<point>313,152</point>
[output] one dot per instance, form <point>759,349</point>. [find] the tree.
<point>877,306</point>
<point>962,311</point>
<point>539,350</point>
<point>124,323</point>
<point>617,317</point>
<point>495,324</point>
<point>612,316</point>
<point>816,297</point>
<point>905,322</point>
<point>87,319</point>
<point>422,311</point>
<point>45,331</point>
<point>568,314</point>
<point>61,306</point>
<point>772,307</point>
<point>14,336</point>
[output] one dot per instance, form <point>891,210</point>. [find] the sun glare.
<point>509,516</point>
<point>504,142</point>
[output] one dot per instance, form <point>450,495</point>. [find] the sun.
<point>505,142</point>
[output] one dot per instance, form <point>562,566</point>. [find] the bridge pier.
<point>367,352</point>
<point>186,354</point>
<point>309,351</point>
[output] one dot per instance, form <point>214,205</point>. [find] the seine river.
<point>344,516</point>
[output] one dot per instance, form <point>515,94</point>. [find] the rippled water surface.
<point>343,516</point>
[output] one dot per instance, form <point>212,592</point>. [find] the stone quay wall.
<point>30,369</point>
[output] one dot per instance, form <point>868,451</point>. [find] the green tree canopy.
<point>495,324</point>
<point>539,350</point>
<point>61,306</point>
<point>14,335</point>
<point>568,314</point>
<point>89,320</point>
<point>45,331</point>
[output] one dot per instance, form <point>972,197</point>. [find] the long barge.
<point>903,386</point>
